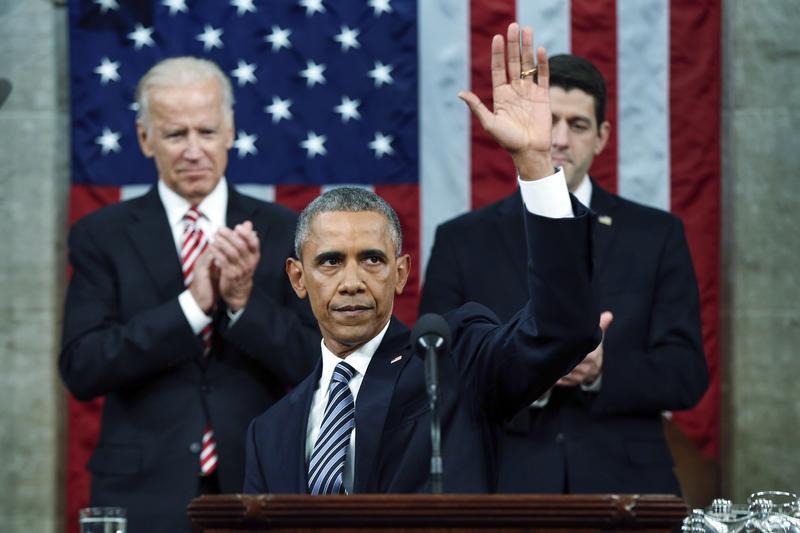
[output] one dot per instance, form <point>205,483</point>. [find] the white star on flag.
<point>279,38</point>
<point>210,38</point>
<point>348,109</point>
<point>312,6</point>
<point>243,6</point>
<point>381,74</point>
<point>106,5</point>
<point>279,109</point>
<point>244,73</point>
<point>175,6</point>
<point>107,70</point>
<point>347,38</point>
<point>314,145</point>
<point>380,6</point>
<point>245,144</point>
<point>108,141</point>
<point>313,73</point>
<point>382,144</point>
<point>141,36</point>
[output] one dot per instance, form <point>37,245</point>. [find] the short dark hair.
<point>574,72</point>
<point>351,199</point>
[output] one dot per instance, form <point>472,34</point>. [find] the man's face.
<point>576,135</point>
<point>349,271</point>
<point>189,137</point>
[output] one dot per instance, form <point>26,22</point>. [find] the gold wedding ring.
<point>525,73</point>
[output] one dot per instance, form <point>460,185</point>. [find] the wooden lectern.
<point>436,513</point>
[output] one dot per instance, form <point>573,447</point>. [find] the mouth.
<point>352,310</point>
<point>560,161</point>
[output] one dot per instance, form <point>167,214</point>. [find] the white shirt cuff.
<point>194,315</point>
<point>548,196</point>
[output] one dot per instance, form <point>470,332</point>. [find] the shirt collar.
<point>584,191</point>
<point>358,359</point>
<point>213,206</point>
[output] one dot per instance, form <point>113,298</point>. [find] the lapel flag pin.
<point>396,359</point>
<point>605,219</point>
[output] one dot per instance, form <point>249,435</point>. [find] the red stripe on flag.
<point>83,418</point>
<point>405,201</point>
<point>594,37</point>
<point>492,170</point>
<point>295,197</point>
<point>695,85</point>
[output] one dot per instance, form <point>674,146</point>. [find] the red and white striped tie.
<point>194,243</point>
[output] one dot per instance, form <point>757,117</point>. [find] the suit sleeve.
<point>670,372</point>
<point>254,482</point>
<point>278,332</point>
<point>442,289</point>
<point>100,353</point>
<point>512,364</point>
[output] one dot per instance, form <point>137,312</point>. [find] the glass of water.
<point>103,520</point>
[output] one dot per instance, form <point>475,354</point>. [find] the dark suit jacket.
<point>126,338</point>
<point>490,372</point>
<point>585,442</point>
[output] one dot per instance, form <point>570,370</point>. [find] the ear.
<point>144,139</point>
<point>294,269</point>
<point>603,134</point>
<point>403,270</point>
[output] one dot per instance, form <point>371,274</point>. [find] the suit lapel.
<point>374,398</point>
<point>152,237</point>
<point>604,205</point>
<point>295,450</point>
<point>241,208</point>
<point>510,225</point>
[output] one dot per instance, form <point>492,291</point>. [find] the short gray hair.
<point>177,72</point>
<point>350,199</point>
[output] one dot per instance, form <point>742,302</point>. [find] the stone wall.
<point>761,247</point>
<point>34,180</point>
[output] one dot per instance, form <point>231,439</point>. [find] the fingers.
<point>236,249</point>
<point>476,106</point>
<point>499,62</point>
<point>543,68</point>
<point>527,50</point>
<point>606,317</point>
<point>513,53</point>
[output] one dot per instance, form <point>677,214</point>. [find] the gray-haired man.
<point>179,312</point>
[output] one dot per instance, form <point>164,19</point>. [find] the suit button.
<point>205,389</point>
<point>560,438</point>
<point>194,447</point>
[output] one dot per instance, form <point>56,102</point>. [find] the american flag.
<point>364,92</point>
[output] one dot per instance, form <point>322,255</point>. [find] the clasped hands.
<point>225,269</point>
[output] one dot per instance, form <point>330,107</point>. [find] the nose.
<point>192,149</point>
<point>560,136</point>
<point>351,280</point>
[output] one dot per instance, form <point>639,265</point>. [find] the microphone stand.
<point>431,344</point>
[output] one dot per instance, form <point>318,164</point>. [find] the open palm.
<point>521,121</point>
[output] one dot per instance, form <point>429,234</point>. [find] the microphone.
<point>5,90</point>
<point>431,338</point>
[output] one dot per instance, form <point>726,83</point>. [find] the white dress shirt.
<point>214,208</point>
<point>359,360</point>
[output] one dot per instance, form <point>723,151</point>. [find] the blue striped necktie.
<point>326,467</point>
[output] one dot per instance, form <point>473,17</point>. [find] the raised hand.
<point>521,121</point>
<point>236,254</point>
<point>205,285</point>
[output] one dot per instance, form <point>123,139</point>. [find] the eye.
<point>374,260</point>
<point>579,126</point>
<point>330,261</point>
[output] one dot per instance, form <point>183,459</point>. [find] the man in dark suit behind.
<point>599,429</point>
<point>136,327</point>
<point>350,265</point>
